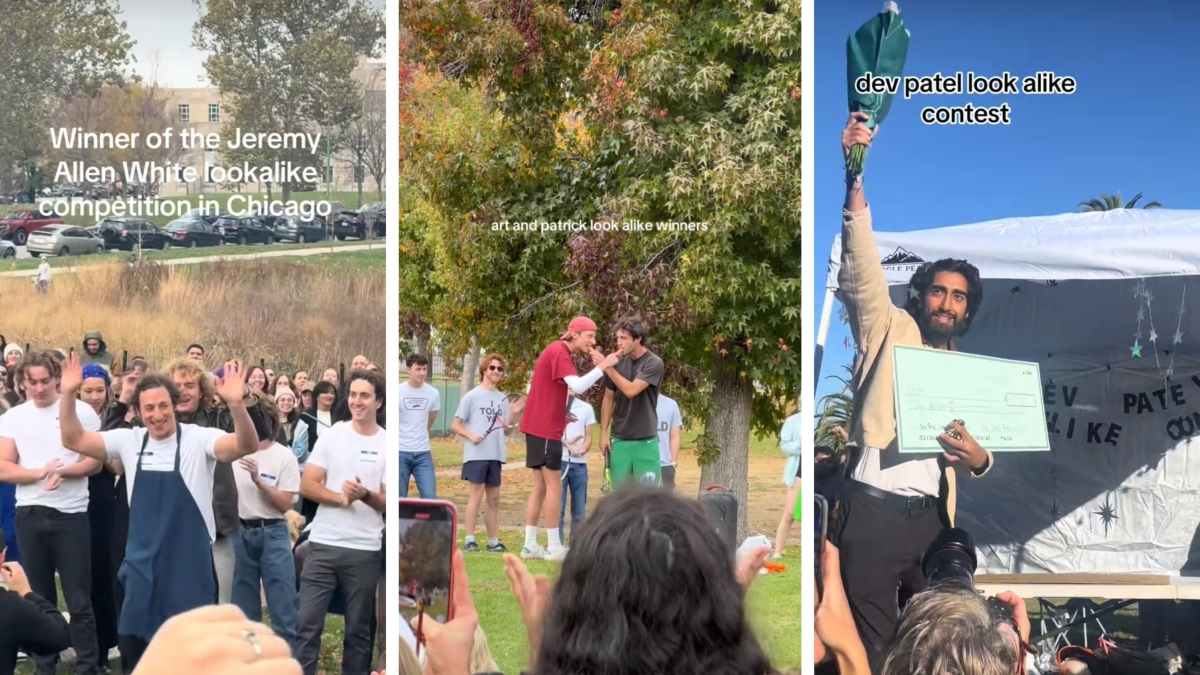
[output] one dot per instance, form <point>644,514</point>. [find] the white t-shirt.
<point>668,419</point>
<point>44,271</point>
<point>279,469</point>
<point>585,416</point>
<point>39,440</point>
<point>345,454</point>
<point>197,459</point>
<point>415,406</point>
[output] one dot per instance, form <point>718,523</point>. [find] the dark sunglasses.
<point>499,369</point>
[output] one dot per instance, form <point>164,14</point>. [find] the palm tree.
<point>836,410</point>
<point>1113,202</point>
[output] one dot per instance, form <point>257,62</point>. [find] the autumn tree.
<point>425,550</point>
<point>623,112</point>
<point>286,67</point>
<point>50,52</point>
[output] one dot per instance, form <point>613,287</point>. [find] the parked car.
<point>128,233</point>
<point>7,249</point>
<point>18,225</point>
<point>64,240</point>
<point>294,228</point>
<point>353,224</point>
<point>193,232</point>
<point>244,230</point>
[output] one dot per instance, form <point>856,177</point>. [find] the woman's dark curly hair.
<point>923,278</point>
<point>648,587</point>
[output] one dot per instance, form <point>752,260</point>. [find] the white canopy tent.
<point>1118,493</point>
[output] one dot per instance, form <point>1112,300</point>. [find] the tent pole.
<point>822,335</point>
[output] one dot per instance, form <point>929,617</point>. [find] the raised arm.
<point>244,439</point>
<point>861,280</point>
<point>74,437</point>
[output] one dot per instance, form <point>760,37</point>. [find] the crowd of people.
<point>149,493</point>
<point>677,606</point>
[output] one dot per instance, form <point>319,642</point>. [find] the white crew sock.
<point>493,541</point>
<point>553,540</point>
<point>470,539</point>
<point>531,537</point>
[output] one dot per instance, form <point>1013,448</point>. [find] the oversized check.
<point>998,401</point>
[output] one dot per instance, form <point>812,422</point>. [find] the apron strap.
<point>178,446</point>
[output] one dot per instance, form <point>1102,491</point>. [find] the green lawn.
<point>347,199</point>
<point>773,606</point>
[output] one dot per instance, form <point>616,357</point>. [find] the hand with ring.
<point>217,639</point>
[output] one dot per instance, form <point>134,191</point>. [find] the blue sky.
<point>1128,127</point>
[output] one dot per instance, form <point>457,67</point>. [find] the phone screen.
<point>427,530</point>
<point>820,518</point>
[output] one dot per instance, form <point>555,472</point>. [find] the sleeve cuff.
<point>991,461</point>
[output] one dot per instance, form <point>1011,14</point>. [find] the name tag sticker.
<point>368,455</point>
<point>153,462</point>
<point>270,480</point>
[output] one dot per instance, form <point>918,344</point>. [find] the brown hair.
<point>42,359</point>
<point>487,361</point>
<point>188,368</point>
<point>154,381</point>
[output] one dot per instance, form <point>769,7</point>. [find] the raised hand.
<point>517,406</point>
<point>232,387</point>
<point>610,361</point>
<point>72,376</point>
<point>533,597</point>
<point>856,133</point>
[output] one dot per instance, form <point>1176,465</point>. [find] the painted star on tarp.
<point>1108,514</point>
<point>1136,350</point>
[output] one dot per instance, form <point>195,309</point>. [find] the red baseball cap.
<point>579,324</point>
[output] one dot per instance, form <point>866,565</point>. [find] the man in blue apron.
<point>168,566</point>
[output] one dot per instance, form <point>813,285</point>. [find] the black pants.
<point>132,648</point>
<point>881,552</point>
<point>101,513</point>
<point>326,570</point>
<point>51,541</point>
<point>668,478</point>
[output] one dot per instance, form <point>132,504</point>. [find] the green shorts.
<point>635,460</point>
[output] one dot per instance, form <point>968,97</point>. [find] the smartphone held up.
<point>427,530</point>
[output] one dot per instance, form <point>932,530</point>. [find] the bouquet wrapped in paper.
<point>878,47</point>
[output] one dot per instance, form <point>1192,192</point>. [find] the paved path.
<point>315,250</point>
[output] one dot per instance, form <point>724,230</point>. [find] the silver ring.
<point>253,640</point>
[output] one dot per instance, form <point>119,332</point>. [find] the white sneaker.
<point>557,556</point>
<point>538,553</point>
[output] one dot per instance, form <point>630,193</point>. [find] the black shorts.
<point>543,452</point>
<point>482,472</point>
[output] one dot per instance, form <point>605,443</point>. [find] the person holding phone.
<point>545,421</point>
<point>28,621</point>
<point>484,420</point>
<point>169,470</point>
<point>347,476</point>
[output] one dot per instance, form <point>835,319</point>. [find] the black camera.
<point>950,561</point>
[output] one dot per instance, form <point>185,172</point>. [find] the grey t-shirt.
<point>480,410</point>
<point>636,418</point>
<point>668,419</point>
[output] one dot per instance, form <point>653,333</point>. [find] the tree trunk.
<point>729,426</point>
<point>470,367</point>
<point>423,334</point>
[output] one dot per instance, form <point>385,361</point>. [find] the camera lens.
<point>950,559</point>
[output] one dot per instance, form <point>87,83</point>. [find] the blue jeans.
<point>265,554</point>
<point>418,465</point>
<point>575,479</point>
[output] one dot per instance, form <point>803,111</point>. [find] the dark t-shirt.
<point>29,624</point>
<point>546,406</point>
<point>636,418</point>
